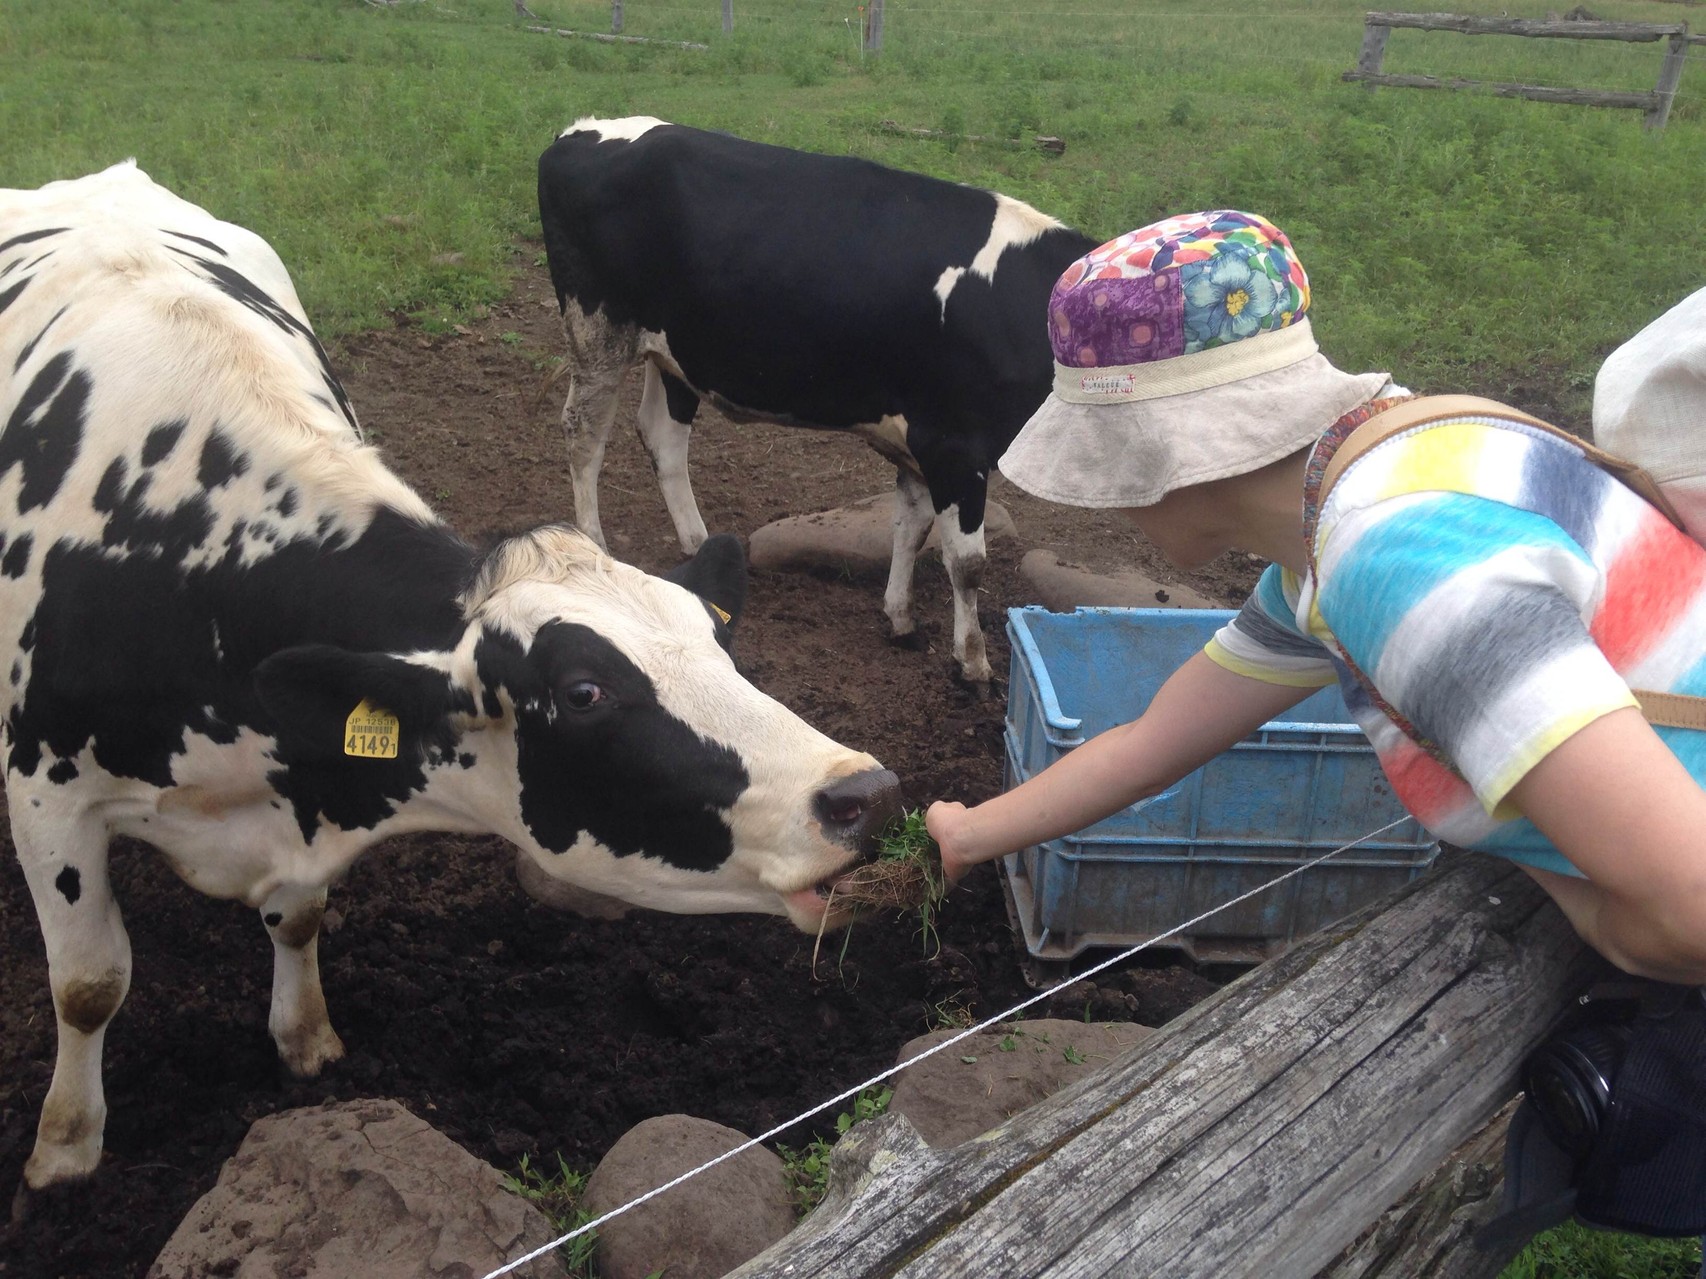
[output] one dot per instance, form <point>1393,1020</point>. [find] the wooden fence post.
<point>1670,75</point>
<point>728,16</point>
<point>1373,53</point>
<point>873,26</point>
<point>616,17</point>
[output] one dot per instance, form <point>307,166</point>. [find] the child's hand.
<point>945,820</point>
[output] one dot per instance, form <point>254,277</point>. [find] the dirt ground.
<point>513,1029</point>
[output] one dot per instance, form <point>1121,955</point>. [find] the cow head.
<point>592,714</point>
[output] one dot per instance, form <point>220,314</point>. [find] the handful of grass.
<point>906,875</point>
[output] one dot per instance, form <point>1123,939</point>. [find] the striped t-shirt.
<point>1501,592</point>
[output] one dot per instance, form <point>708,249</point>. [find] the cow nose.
<point>856,810</point>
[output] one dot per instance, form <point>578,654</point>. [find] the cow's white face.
<point>592,714</point>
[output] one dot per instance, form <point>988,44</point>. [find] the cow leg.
<point>298,1020</point>
<point>599,355</point>
<point>963,554</point>
<point>912,515</point>
<point>88,967</point>
<point>666,435</point>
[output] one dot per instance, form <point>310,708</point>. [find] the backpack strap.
<point>1434,408</point>
<point>1673,710</point>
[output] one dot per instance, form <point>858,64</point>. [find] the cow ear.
<point>717,575</point>
<point>311,692</point>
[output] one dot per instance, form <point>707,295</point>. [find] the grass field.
<point>389,153</point>
<point>1463,242</point>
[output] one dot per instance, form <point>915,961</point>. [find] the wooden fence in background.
<point>1655,105</point>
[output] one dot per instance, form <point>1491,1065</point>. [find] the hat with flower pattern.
<point>1183,353</point>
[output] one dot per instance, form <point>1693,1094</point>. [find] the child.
<point>1484,595</point>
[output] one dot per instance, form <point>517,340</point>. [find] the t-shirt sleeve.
<point>1264,642</point>
<point>1473,619</point>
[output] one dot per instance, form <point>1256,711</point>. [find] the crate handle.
<point>1057,719</point>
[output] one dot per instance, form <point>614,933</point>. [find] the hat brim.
<point>1135,453</point>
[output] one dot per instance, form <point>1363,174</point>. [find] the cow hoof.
<point>912,641</point>
<point>307,1053</point>
<point>52,1166</point>
<point>981,689</point>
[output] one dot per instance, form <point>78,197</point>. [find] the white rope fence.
<point>946,1043</point>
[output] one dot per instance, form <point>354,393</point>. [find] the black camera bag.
<point>1647,1171</point>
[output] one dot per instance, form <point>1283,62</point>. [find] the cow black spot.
<point>17,558</point>
<point>630,774</point>
<point>70,884</point>
<point>161,441</point>
<point>45,431</point>
<point>287,503</point>
<point>220,462</point>
<point>29,236</point>
<point>27,636</point>
<point>134,525</point>
<point>9,296</point>
<point>273,918</point>
<point>30,346</point>
<point>25,754</point>
<point>17,673</point>
<point>63,771</point>
<point>196,239</point>
<point>465,759</point>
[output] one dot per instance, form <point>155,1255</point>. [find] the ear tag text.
<point>371,733</point>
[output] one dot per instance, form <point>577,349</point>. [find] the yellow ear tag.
<point>719,612</point>
<point>371,733</point>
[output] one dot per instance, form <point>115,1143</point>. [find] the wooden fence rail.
<point>1655,105</point>
<point>1265,1132</point>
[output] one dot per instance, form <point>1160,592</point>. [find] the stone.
<point>1062,586</point>
<point>354,1188</point>
<point>860,536</point>
<point>701,1229</point>
<point>987,1078</point>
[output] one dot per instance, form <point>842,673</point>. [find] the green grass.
<point>1463,242</point>
<point>1575,1252</point>
<point>558,1195</point>
<point>807,1169</point>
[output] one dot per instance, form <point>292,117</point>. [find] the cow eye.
<point>582,695</point>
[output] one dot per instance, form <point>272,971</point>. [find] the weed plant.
<point>807,1169</point>
<point>558,1195</point>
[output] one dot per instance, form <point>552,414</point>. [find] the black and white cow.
<point>812,290</point>
<point>231,632</point>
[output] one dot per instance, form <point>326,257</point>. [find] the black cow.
<point>812,290</point>
<point>233,633</point>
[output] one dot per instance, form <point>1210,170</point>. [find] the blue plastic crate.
<point>1297,788</point>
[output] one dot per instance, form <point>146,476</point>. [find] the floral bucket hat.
<point>1182,354</point>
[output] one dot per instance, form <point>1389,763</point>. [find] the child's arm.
<point>1621,807</point>
<point>1202,710</point>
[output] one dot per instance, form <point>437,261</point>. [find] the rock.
<point>701,1229</point>
<point>355,1188</point>
<point>1062,586</point>
<point>856,536</point>
<point>987,1078</point>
